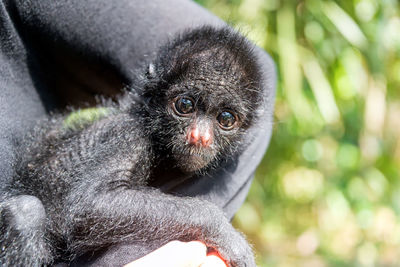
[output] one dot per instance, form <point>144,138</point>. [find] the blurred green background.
<point>328,190</point>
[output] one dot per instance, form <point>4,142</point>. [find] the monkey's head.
<point>203,92</point>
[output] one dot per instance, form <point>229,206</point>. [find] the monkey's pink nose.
<point>197,138</point>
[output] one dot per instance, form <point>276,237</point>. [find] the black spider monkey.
<point>82,185</point>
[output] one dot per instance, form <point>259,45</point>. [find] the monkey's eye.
<point>184,106</point>
<point>226,120</point>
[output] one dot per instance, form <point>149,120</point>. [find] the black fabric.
<point>59,53</point>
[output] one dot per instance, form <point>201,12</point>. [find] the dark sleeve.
<point>20,103</point>
<point>52,51</point>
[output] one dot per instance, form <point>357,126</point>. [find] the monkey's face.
<point>203,91</point>
<point>199,122</point>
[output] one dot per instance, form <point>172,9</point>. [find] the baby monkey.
<point>82,185</point>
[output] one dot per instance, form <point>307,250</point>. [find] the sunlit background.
<point>328,190</point>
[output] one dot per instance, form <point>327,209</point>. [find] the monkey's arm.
<point>105,215</point>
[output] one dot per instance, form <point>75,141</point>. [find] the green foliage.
<point>328,190</point>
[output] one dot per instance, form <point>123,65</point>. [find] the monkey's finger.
<point>174,254</point>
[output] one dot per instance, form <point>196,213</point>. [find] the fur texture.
<point>96,182</point>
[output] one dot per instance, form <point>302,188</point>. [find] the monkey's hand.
<point>222,238</point>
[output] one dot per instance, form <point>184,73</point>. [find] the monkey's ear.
<point>151,71</point>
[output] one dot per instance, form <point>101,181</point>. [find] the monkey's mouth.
<point>190,158</point>
<point>189,162</point>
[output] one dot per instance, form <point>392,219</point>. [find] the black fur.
<point>88,185</point>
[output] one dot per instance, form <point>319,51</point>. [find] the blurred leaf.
<point>345,24</point>
<point>321,89</point>
<point>290,67</point>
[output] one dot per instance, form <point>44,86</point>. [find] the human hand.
<point>180,254</point>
